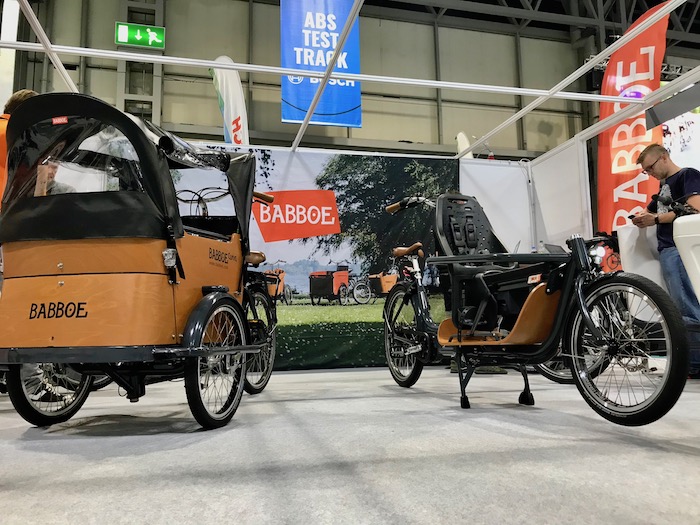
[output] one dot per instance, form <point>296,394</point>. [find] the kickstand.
<point>465,369</point>
<point>526,397</point>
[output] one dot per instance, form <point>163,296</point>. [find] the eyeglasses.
<point>651,168</point>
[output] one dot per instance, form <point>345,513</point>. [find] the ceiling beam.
<point>514,12</point>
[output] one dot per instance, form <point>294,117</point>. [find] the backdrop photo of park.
<point>328,328</point>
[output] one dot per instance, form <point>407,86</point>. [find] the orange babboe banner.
<point>633,71</point>
<point>296,214</point>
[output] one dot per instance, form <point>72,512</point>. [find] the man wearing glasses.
<point>682,185</point>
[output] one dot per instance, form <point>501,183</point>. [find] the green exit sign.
<point>140,36</point>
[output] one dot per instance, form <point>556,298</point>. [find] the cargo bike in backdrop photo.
<point>104,275</point>
<point>620,334</point>
<point>381,283</point>
<point>276,287</point>
<point>332,285</point>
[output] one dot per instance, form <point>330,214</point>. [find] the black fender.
<point>199,314</point>
<point>261,286</point>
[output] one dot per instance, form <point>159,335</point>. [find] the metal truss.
<point>604,19</point>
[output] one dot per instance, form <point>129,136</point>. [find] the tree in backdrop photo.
<point>364,185</point>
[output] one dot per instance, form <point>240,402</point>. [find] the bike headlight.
<point>596,253</point>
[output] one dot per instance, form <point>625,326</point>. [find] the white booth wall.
<point>502,188</point>
<point>562,194</point>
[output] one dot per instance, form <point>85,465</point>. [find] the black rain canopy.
<point>121,164</point>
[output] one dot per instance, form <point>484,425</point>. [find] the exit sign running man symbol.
<point>139,35</point>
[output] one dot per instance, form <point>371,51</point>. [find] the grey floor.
<point>352,447</point>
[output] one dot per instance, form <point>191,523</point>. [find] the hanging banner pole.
<point>229,90</point>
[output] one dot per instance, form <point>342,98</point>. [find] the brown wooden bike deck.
<point>533,325</point>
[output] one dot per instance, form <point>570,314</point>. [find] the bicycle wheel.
<point>556,370</point>
<point>47,393</point>
<point>288,294</point>
<point>559,368</point>
<point>99,382</point>
<point>343,296</point>
<point>641,369</point>
<point>214,383</point>
<point>400,339</point>
<point>361,293</point>
<point>262,323</point>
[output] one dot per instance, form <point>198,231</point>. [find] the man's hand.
<point>644,219</point>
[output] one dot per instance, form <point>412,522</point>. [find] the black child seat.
<point>462,228</point>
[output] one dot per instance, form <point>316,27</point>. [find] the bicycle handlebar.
<point>609,240</point>
<point>393,208</point>
<point>679,207</point>
<point>265,197</point>
<point>406,202</point>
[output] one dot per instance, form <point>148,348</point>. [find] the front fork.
<point>584,269</point>
<point>587,319</point>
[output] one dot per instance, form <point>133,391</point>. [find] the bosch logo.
<point>295,80</point>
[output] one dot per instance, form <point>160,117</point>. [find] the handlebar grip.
<point>393,208</point>
<point>265,197</point>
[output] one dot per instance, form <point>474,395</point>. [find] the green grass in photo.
<point>333,336</point>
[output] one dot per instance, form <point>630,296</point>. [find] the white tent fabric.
<point>501,187</point>
<point>563,205</point>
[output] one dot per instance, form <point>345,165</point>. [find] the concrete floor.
<point>350,446</point>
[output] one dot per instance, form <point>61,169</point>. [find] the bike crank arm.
<point>403,352</point>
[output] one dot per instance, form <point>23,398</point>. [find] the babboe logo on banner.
<point>297,214</point>
<point>310,30</point>
<point>633,71</point>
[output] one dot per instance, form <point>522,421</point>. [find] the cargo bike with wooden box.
<point>330,284</point>
<point>104,276</point>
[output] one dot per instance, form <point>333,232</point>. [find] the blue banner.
<point>310,30</point>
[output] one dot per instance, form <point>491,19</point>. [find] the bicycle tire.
<point>646,350</point>
<point>399,320</point>
<point>361,293</point>
<point>259,366</point>
<point>44,394</point>
<point>555,370</point>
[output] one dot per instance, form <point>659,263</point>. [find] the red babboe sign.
<point>296,214</point>
<point>633,71</point>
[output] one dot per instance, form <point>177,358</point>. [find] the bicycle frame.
<point>575,272</point>
<point>419,298</point>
